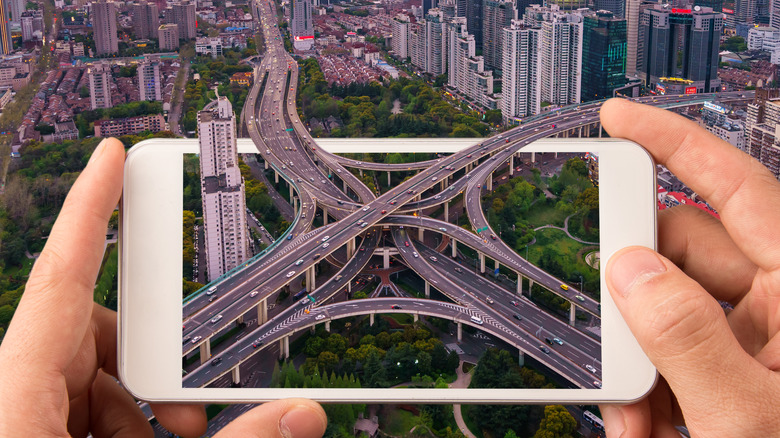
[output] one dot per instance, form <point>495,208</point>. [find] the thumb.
<point>684,332</point>
<point>289,418</point>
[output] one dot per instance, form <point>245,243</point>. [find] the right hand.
<point>719,372</point>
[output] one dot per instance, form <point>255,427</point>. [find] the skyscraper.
<point>745,11</point>
<point>27,26</point>
<point>497,15</point>
<point>222,188</point>
<point>617,7</point>
<point>149,80</point>
<point>16,9</point>
<point>635,43</point>
<point>301,24</point>
<point>774,15</point>
<point>6,44</point>
<point>568,5</point>
<point>603,55</point>
<point>435,43</point>
<point>682,43</point>
<point>520,95</point>
<point>104,29</point>
<point>182,14</point>
<point>466,71</point>
<point>400,42</point>
<point>169,36</point>
<point>146,20</point>
<point>474,21</point>
<point>99,85</point>
<point>427,5</point>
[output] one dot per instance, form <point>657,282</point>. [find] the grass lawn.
<point>553,238</point>
<point>400,318</point>
<point>397,422</point>
<point>541,214</point>
<point>464,409</point>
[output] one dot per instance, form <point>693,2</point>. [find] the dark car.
<point>548,340</point>
<point>395,306</point>
<point>544,349</point>
<point>517,317</point>
<point>216,361</point>
<point>257,344</point>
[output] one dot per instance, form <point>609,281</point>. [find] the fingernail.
<point>614,421</point>
<point>301,422</point>
<point>98,151</point>
<point>633,268</point>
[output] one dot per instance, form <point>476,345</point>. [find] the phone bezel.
<point>150,261</point>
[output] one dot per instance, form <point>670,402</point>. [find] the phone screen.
<point>456,276</point>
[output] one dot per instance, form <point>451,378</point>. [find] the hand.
<point>58,358</point>
<point>719,372</point>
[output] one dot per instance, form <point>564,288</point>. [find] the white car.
<point>216,319</point>
<point>253,294</point>
<point>365,208</point>
<point>590,368</point>
<point>290,274</point>
<point>325,245</point>
<point>299,262</point>
<point>415,254</point>
<point>319,317</point>
<point>325,238</point>
<point>196,339</point>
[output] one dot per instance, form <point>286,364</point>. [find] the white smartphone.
<point>473,277</point>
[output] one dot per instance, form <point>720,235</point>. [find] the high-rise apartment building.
<point>99,85</point>
<point>435,43</point>
<point>16,9</point>
<point>466,71</point>
<point>222,188</point>
<point>473,14</point>
<point>774,15</point>
<point>745,11</point>
<point>146,20</point>
<point>301,27</point>
<point>635,43</point>
<point>104,30</point>
<point>681,43</point>
<point>168,35</point>
<point>182,14</point>
<point>498,15</point>
<point>149,80</point>
<point>27,26</point>
<point>520,95</point>
<point>400,41</point>
<point>617,7</point>
<point>6,43</point>
<point>427,5</point>
<point>603,55</point>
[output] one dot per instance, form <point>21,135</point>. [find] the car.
<point>494,157</point>
<point>362,249</point>
<point>590,368</point>
<point>442,229</point>
<point>340,202</point>
<point>299,262</point>
<point>564,287</point>
<point>458,269</point>
<point>580,298</point>
<point>325,238</point>
<point>185,340</point>
<point>489,300</point>
<point>406,243</point>
<point>433,178</point>
<point>315,256</point>
<point>289,237</point>
<point>339,277</point>
<point>493,236</point>
<point>507,140</point>
<point>325,245</point>
<point>544,349</point>
<point>433,258</point>
<point>216,319</point>
<point>468,156</point>
<point>548,340</point>
<point>395,306</point>
<point>514,303</point>
<point>211,290</point>
<point>290,274</point>
<point>517,317</point>
<point>383,211</point>
<point>437,197</point>
<point>410,191</point>
<point>364,224</point>
<point>257,343</point>
<point>213,297</point>
<point>597,383</point>
<point>319,317</point>
<point>558,341</point>
<point>196,339</point>
<point>216,361</point>
<point>552,126</point>
<point>392,202</point>
<point>476,320</point>
<point>414,253</point>
<point>479,186</point>
<point>338,170</point>
<point>365,208</point>
<point>253,294</point>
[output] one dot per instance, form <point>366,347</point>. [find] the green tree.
<point>735,44</point>
<point>557,423</point>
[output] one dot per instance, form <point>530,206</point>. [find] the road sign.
<point>495,272</point>
<point>311,298</point>
<point>479,230</point>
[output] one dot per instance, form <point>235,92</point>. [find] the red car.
<point>406,243</point>
<point>383,211</point>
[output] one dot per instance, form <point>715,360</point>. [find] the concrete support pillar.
<point>327,326</point>
<point>481,262</point>
<point>427,289</point>
<point>572,313</point>
<point>489,182</point>
<point>496,265</point>
<point>281,348</point>
<point>556,155</point>
<point>290,191</point>
<point>416,317</point>
<point>442,184</point>
<point>460,331</point>
<point>350,247</point>
<point>521,358</point>
<point>312,329</point>
<point>388,177</point>
<point>361,172</point>
<point>276,177</point>
<point>266,164</point>
<point>344,184</point>
<point>511,164</point>
<point>519,289</point>
<point>579,132</point>
<point>349,287</point>
<point>286,347</point>
<point>370,319</point>
<point>446,211</point>
<point>295,203</point>
<point>236,376</point>
<point>311,282</point>
<point>240,319</point>
<point>599,130</point>
<point>533,157</point>
<point>420,232</point>
<point>386,258</point>
<point>530,286</point>
<point>205,351</point>
<point>454,246</point>
<point>324,215</point>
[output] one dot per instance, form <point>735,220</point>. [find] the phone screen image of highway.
<point>478,269</point>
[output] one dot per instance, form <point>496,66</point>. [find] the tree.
<point>6,313</point>
<point>735,44</point>
<point>84,92</point>
<point>327,361</point>
<point>557,423</point>
<point>374,374</point>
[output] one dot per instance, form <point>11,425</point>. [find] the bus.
<point>594,421</point>
<point>299,295</point>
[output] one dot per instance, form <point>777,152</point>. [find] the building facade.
<point>99,85</point>
<point>617,7</point>
<point>498,15</point>
<point>520,95</point>
<point>146,20</point>
<point>222,188</point>
<point>560,49</point>
<point>6,43</point>
<point>104,28</point>
<point>149,82</point>
<point>182,14</point>
<point>466,71</point>
<point>302,29</point>
<point>129,125</point>
<point>168,36</point>
<point>400,41</point>
<point>603,55</point>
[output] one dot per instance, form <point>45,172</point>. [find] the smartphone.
<point>472,276</point>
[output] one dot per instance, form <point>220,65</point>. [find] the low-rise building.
<point>208,46</point>
<point>242,78</point>
<point>129,125</point>
<point>63,131</point>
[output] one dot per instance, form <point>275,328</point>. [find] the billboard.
<point>690,90</point>
<point>660,89</point>
<point>303,38</point>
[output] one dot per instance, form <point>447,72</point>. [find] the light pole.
<point>582,290</point>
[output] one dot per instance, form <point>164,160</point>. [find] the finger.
<point>289,418</point>
<point>113,412</point>
<point>97,351</point>
<point>56,306</point>
<point>699,245</point>
<point>684,332</point>
<point>627,421</point>
<point>182,420</point>
<point>743,191</point>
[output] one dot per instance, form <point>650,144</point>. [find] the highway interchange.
<point>321,181</point>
